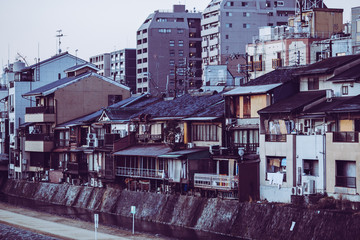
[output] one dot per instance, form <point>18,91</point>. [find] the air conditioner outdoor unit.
<point>132,128</point>
<point>92,141</point>
<point>214,149</point>
<point>309,187</point>
<point>191,145</point>
<point>92,182</point>
<point>299,191</point>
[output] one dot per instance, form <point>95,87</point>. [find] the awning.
<point>144,151</point>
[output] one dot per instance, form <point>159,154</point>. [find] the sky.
<point>29,27</point>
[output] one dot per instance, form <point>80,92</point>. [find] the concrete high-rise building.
<point>228,25</point>
<point>169,52</point>
<point>355,29</point>
<point>119,65</point>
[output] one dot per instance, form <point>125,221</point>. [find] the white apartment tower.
<point>169,52</point>
<point>228,25</point>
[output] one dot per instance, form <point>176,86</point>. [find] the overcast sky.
<point>29,27</point>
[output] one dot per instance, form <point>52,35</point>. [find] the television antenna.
<point>59,35</point>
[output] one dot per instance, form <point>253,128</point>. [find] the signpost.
<point>133,211</point>
<point>96,221</point>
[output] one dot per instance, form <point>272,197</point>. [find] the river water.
<point>125,223</point>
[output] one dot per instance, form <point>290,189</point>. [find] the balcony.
<point>39,142</point>
<point>249,148</point>
<point>276,63</point>
<point>216,182</point>
<point>110,138</point>
<point>259,66</point>
<point>140,172</point>
<point>346,137</point>
<point>146,137</point>
<point>62,143</point>
<point>275,138</point>
<point>344,181</point>
<point>40,114</point>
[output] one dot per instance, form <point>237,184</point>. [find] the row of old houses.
<point>293,131</point>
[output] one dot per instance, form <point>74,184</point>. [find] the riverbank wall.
<point>244,220</point>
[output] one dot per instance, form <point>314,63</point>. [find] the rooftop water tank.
<point>18,66</point>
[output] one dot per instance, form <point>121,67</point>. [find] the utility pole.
<point>175,80</point>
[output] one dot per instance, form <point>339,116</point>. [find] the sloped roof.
<point>77,67</point>
<point>256,89</point>
<point>351,74</point>
<point>53,86</point>
<point>52,59</point>
<point>214,111</point>
<point>81,120</point>
<point>280,75</point>
<point>328,65</point>
<point>151,150</point>
<point>183,106</point>
<point>295,103</point>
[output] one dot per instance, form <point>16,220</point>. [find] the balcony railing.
<point>277,62</point>
<point>343,181</point>
<point>275,138</point>
<point>213,181</point>
<point>346,137</point>
<point>42,109</point>
<point>110,138</point>
<point>63,143</point>
<point>154,137</point>
<point>39,137</point>
<point>258,65</point>
<point>140,172</point>
<point>248,147</point>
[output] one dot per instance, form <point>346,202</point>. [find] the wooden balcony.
<point>40,114</point>
<point>140,172</point>
<point>259,65</point>
<point>249,148</point>
<point>216,182</point>
<point>276,63</point>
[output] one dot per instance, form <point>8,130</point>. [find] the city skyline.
<point>89,28</point>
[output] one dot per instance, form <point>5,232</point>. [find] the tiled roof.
<point>295,103</point>
<point>280,75</point>
<point>77,67</point>
<point>253,89</point>
<point>53,58</point>
<point>183,106</point>
<point>351,74</point>
<point>81,120</point>
<point>55,85</point>
<point>328,65</point>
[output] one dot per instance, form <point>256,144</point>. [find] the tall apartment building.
<point>355,29</point>
<point>227,26</point>
<point>119,65</point>
<point>169,52</point>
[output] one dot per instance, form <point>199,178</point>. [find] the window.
<point>138,32</point>
<point>247,106</point>
<point>311,167</point>
<point>172,43</point>
<point>246,14</point>
<point>139,70</point>
<point>11,127</point>
<point>204,132</point>
<point>345,90</point>
<point>345,174</point>
<point>313,83</point>
<point>172,52</point>
<point>226,36</point>
<point>164,30</point>
<point>228,14</point>
<point>244,4</point>
<point>144,31</point>
<point>180,31</point>
<point>268,4</point>
<point>114,99</point>
<point>145,79</point>
<point>139,80</point>
<point>145,50</point>
<point>144,70</point>
<point>181,53</point>
<point>139,41</point>
<point>179,20</point>
<point>275,166</point>
<point>229,4</point>
<point>228,25</point>
<point>145,89</point>
<point>139,61</point>
<point>144,60</point>
<point>145,40</point>
<point>279,3</point>
<point>139,90</point>
<point>181,43</point>
<point>246,25</point>
<point>172,62</point>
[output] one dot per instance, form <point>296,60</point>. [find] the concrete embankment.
<point>245,220</point>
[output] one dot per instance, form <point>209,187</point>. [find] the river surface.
<point>125,223</point>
